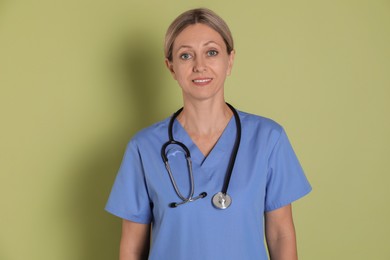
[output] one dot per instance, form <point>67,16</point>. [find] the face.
<point>200,63</point>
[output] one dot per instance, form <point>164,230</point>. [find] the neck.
<point>205,118</point>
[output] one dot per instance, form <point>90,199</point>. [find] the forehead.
<point>197,34</point>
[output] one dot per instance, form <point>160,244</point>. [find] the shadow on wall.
<point>97,167</point>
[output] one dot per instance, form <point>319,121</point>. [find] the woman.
<point>246,160</point>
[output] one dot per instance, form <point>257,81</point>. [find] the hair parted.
<point>194,16</point>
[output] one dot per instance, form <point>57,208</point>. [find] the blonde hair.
<point>194,16</point>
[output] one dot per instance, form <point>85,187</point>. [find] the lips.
<point>202,81</point>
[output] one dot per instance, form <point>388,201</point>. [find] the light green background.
<point>79,77</point>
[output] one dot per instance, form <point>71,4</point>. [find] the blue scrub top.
<point>266,176</point>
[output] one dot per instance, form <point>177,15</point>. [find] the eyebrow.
<point>209,42</point>
<point>188,46</point>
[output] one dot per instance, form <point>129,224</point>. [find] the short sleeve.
<point>286,181</point>
<point>129,198</point>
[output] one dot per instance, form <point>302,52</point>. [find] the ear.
<point>231,62</point>
<point>170,68</point>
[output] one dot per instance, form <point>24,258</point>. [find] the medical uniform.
<point>266,176</point>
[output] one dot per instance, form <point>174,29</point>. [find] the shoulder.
<point>258,123</point>
<point>151,135</point>
<point>259,131</point>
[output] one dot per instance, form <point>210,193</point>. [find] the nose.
<point>199,65</point>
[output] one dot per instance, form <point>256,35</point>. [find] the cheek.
<point>225,69</point>
<point>222,66</point>
<point>181,72</point>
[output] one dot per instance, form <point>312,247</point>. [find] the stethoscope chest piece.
<point>221,200</point>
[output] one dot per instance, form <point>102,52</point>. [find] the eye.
<point>185,56</point>
<point>212,53</point>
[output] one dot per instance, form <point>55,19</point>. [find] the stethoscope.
<point>220,200</point>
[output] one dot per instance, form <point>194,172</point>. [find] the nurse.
<point>265,179</point>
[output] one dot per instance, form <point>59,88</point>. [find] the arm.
<point>135,241</point>
<point>280,234</point>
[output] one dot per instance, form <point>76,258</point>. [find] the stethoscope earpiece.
<point>173,205</point>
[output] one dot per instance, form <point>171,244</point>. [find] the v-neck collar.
<point>221,149</point>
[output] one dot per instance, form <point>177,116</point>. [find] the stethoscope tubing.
<point>233,156</point>
<point>189,165</point>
